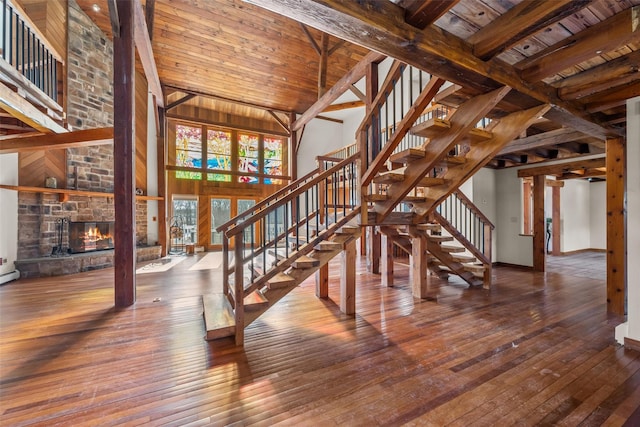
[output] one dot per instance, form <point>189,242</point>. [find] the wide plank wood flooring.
<point>537,349</point>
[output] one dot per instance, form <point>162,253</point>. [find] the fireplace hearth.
<point>90,236</point>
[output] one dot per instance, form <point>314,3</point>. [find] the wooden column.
<point>322,281</point>
<point>616,226</point>
<point>539,250</point>
<point>322,69</point>
<point>348,279</point>
<point>124,156</point>
<point>387,261</point>
<point>163,236</point>
<point>555,220</point>
<point>419,268</point>
<point>373,251</point>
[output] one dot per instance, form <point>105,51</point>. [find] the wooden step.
<point>477,135</point>
<point>219,319</point>
<point>255,301</point>
<point>414,199</point>
<point>440,239</point>
<point>430,227</point>
<point>431,128</point>
<point>280,280</point>
<point>451,249</point>
<point>306,262</point>
<point>474,268</point>
<point>396,175</point>
<point>348,229</point>
<point>463,258</point>
<point>326,246</point>
<point>428,181</point>
<point>375,197</point>
<point>451,161</point>
<point>407,155</point>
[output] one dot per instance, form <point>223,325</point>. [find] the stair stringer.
<point>299,275</point>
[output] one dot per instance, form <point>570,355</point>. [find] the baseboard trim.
<point>517,266</point>
<point>579,251</point>
<point>5,278</point>
<point>632,344</point>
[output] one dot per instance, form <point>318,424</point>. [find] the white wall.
<point>598,215</point>
<point>575,222</point>
<point>631,328</point>
<point>319,138</point>
<point>8,212</point>
<point>512,247</point>
<point>484,197</point>
<point>152,173</point>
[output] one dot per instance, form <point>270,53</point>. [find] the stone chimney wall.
<point>89,105</point>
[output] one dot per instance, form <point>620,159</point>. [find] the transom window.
<point>235,156</point>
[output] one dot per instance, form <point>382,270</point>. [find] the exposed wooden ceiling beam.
<point>617,72</point>
<point>313,41</point>
<point>560,168</point>
<point>613,97</point>
<point>343,106</point>
<point>22,109</point>
<point>603,37</point>
<point>355,74</point>
<point>520,22</point>
<point>582,173</point>
<point>421,13</point>
<point>280,121</point>
<point>149,14</point>
<point>382,29</point>
<point>357,92</point>
<point>114,19</point>
<point>182,100</point>
<point>145,52</point>
<point>553,137</point>
<point>79,138</point>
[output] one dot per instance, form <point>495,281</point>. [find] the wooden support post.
<point>348,279</point>
<point>387,261</point>
<point>419,261</point>
<point>555,221</point>
<point>163,236</point>
<point>124,168</point>
<point>539,250</point>
<point>322,69</point>
<point>373,251</point>
<point>616,226</point>
<point>238,291</point>
<point>322,281</point>
<point>486,279</point>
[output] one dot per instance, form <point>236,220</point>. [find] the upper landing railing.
<point>28,59</point>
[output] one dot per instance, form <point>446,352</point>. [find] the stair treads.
<point>463,258</point>
<point>328,246</point>
<point>428,181</point>
<point>440,238</point>
<point>407,155</point>
<point>431,128</point>
<point>306,262</point>
<point>255,301</point>
<point>280,280</point>
<point>218,316</point>
<point>451,249</point>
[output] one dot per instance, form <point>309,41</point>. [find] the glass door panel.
<point>185,211</point>
<point>220,213</point>
<point>243,205</point>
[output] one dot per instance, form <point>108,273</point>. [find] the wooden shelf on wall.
<point>64,193</point>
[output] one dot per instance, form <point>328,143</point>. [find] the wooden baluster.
<point>239,287</point>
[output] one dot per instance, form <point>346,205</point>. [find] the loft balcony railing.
<point>28,61</point>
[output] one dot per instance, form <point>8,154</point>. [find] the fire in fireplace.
<point>90,236</point>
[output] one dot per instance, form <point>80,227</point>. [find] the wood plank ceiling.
<point>581,56</point>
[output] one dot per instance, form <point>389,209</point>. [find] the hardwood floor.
<point>537,349</point>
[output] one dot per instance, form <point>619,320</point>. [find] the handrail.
<point>289,196</point>
<point>342,152</point>
<point>26,53</point>
<point>387,86</point>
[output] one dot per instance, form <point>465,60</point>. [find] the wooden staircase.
<point>273,247</point>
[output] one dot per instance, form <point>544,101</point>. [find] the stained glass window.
<point>248,157</point>
<point>272,159</point>
<point>188,150</point>
<point>218,154</point>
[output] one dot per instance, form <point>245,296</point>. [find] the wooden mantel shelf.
<point>64,193</point>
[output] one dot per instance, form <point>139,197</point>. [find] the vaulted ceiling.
<point>580,56</point>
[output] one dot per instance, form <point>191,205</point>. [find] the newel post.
<point>238,293</point>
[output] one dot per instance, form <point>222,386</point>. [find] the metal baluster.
<point>4,29</point>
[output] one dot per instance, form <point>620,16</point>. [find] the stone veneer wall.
<point>89,105</point>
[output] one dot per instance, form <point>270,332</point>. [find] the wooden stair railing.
<point>278,235</point>
<point>469,227</point>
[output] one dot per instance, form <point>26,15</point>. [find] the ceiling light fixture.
<point>95,8</point>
